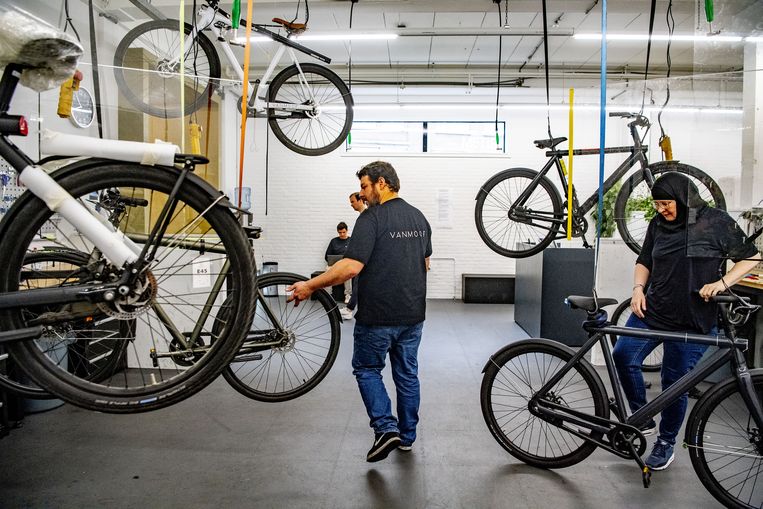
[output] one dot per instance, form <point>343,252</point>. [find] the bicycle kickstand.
<point>646,472</point>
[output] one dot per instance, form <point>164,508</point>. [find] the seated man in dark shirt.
<point>337,247</point>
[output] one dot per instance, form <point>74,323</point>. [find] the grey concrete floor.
<point>220,449</point>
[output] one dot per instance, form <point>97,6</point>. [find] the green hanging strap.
<point>235,16</point>
<point>709,14</point>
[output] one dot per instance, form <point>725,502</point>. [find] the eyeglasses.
<point>662,204</point>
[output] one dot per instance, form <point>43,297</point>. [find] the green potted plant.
<point>608,225</point>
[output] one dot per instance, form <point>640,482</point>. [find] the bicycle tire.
<point>317,132</point>
<point>724,444</point>
<point>653,361</point>
<point>313,332</point>
<point>133,74</point>
<point>93,371</point>
<point>635,188</point>
<point>142,385</point>
<point>494,200</point>
<point>498,392</point>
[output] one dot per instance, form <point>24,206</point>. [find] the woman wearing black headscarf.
<point>682,251</point>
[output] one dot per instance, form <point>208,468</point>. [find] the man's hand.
<point>300,291</point>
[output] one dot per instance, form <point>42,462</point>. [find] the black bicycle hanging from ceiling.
<point>519,211</point>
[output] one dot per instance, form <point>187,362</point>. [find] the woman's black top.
<point>683,261</point>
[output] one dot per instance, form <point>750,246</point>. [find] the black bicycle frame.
<point>729,350</point>
<point>638,155</point>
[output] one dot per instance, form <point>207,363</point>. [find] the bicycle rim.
<point>532,228</point>
<point>149,367</point>
<point>308,338</point>
<point>148,76</point>
<point>513,377</point>
<point>723,445</point>
<point>322,128</point>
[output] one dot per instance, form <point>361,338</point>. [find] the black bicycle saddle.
<point>588,303</point>
<point>549,143</point>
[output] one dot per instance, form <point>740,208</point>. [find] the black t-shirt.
<point>681,262</point>
<point>391,240</point>
<point>337,246</point>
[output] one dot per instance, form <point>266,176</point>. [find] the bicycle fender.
<point>531,340</point>
<point>79,165</point>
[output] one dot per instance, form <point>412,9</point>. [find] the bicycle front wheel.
<point>166,349</point>
<point>726,446</point>
<point>147,68</point>
<point>306,341</point>
<point>325,124</point>
<point>653,361</point>
<point>517,230</point>
<point>636,195</point>
<point>513,376</point>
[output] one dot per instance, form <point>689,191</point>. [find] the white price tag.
<point>202,272</point>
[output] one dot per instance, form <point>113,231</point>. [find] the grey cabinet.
<point>543,282</point>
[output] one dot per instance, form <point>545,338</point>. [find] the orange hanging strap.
<point>244,98</point>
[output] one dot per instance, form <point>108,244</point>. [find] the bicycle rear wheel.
<point>149,78</point>
<point>726,446</point>
<point>320,129</point>
<point>513,376</point>
<point>529,228</point>
<point>636,195</point>
<point>157,365</point>
<point>91,344</point>
<point>307,339</point>
<point>653,361</point>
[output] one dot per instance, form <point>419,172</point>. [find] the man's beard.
<point>373,199</point>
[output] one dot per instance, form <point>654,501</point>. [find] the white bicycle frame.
<point>212,19</point>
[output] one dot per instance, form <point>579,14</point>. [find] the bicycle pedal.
<point>646,476</point>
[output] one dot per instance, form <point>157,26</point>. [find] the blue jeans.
<point>678,359</point>
<point>372,343</point>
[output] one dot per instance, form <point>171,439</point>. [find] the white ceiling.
<point>413,57</point>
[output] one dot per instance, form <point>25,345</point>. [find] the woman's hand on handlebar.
<point>712,289</point>
<point>638,301</point>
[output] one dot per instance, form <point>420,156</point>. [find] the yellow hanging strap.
<point>569,173</point>
<point>244,98</point>
<point>182,73</point>
<point>194,131</point>
<point>667,148</point>
<point>66,95</point>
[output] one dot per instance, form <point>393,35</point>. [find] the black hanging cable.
<point>498,84</point>
<point>296,14</point>
<point>94,59</point>
<point>545,54</point>
<point>69,21</point>
<point>349,69</point>
<point>671,22</point>
<point>652,11</point>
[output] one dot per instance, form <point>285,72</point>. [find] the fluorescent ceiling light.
<point>754,39</point>
<point>347,37</point>
<point>253,38</point>
<point>661,37</point>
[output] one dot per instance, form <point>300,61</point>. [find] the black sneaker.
<point>384,443</point>
<point>649,428</point>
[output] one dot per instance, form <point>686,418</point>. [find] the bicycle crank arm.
<point>60,295</point>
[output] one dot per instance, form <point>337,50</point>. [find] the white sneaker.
<point>347,299</point>
<point>346,314</point>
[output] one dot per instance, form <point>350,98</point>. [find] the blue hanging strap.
<point>602,137</point>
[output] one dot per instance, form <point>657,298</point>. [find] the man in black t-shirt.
<point>389,252</point>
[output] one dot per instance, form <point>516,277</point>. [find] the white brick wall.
<point>307,196</point>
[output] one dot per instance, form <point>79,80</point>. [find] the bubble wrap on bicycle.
<point>50,54</point>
